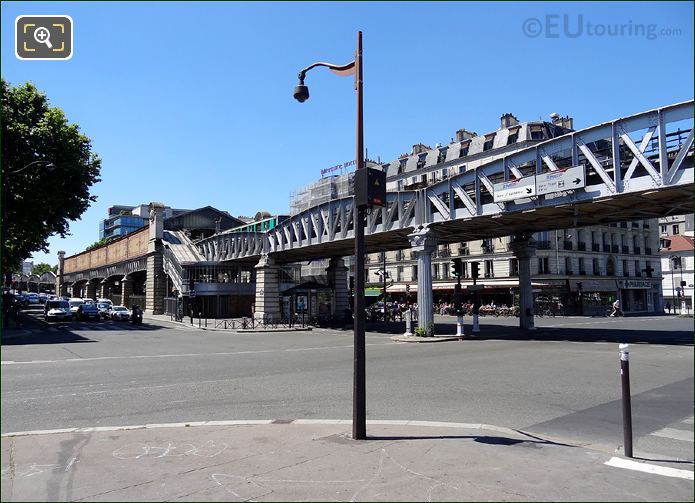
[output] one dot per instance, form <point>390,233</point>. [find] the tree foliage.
<point>97,244</point>
<point>39,202</point>
<point>41,268</point>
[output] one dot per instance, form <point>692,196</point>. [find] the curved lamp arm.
<point>347,69</point>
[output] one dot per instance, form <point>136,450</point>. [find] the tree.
<point>39,201</point>
<point>41,268</point>
<point>97,244</point>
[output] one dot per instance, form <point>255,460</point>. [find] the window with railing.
<point>489,269</point>
<point>487,245</point>
<point>626,271</point>
<point>413,272</point>
<point>513,136</point>
<point>543,245</point>
<point>463,249</point>
<point>421,161</point>
<point>513,267</point>
<point>582,269</point>
<point>489,142</point>
<point>647,251</point>
<point>595,267</point>
<point>638,269</point>
<point>543,265</point>
<point>567,245</point>
<point>568,266</point>
<point>464,149</point>
<point>441,156</point>
<point>581,246</point>
<point>625,249</point>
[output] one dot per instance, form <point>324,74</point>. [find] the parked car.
<point>106,301</point>
<point>104,309</point>
<point>33,298</point>
<point>57,310</point>
<point>88,311</point>
<point>21,300</point>
<point>75,303</point>
<point>120,313</point>
<point>43,297</point>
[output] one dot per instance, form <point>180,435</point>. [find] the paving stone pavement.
<point>317,460</point>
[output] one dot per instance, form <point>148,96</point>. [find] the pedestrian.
<point>668,307</point>
<point>616,308</point>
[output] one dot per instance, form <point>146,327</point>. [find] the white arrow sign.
<point>515,189</point>
<point>560,180</point>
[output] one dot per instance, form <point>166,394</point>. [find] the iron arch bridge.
<point>634,167</point>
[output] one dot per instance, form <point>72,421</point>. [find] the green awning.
<point>372,292</point>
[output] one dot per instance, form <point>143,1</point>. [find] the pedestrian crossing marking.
<point>645,467</point>
<point>674,434</point>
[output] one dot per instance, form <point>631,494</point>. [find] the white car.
<point>105,301</point>
<point>75,303</point>
<point>57,310</point>
<point>120,313</point>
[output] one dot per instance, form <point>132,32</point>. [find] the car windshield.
<point>74,303</point>
<point>58,304</point>
<point>119,308</point>
<point>103,306</point>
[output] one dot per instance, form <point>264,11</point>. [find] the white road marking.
<point>675,434</point>
<point>647,468</point>
<point>688,421</point>
<point>184,355</point>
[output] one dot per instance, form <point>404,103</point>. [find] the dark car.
<point>88,312</point>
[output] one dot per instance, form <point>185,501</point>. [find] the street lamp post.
<point>301,94</point>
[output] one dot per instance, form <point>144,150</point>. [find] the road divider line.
<point>647,468</point>
<point>183,355</point>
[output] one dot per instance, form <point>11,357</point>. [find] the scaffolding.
<point>322,191</point>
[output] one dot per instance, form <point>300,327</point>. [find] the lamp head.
<point>301,92</point>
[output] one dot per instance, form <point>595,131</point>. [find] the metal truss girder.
<point>443,210</point>
<point>642,160</point>
<point>680,156</point>
<point>597,166</point>
<point>642,147</point>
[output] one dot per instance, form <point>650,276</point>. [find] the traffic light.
<point>407,288</point>
<point>475,270</point>
<point>370,187</point>
<point>456,267</point>
<point>683,283</point>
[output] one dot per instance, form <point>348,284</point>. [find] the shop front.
<point>639,296</point>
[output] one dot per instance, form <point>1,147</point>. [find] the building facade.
<point>678,266</point>
<point>123,220</point>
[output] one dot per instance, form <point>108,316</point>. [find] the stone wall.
<point>131,246</point>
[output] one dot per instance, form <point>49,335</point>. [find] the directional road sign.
<point>515,189</point>
<point>560,180</point>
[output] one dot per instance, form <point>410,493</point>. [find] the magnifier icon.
<point>43,36</point>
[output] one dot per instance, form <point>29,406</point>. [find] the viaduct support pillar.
<point>524,249</point>
<point>338,280</point>
<point>126,291</point>
<point>423,242</point>
<point>155,284</point>
<point>92,289</point>
<point>267,290</point>
<point>103,288</point>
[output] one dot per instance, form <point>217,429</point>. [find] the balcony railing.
<point>543,245</point>
<point>567,245</point>
<point>615,249</point>
<point>582,273</point>
<point>488,248</point>
<point>606,248</point>
<point>638,274</point>
<point>625,249</point>
<point>595,247</point>
<point>581,246</point>
<point>463,250</point>
<point>637,250</point>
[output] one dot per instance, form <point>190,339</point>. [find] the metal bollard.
<point>476,326</point>
<point>459,326</point>
<point>408,323</point>
<point>627,404</point>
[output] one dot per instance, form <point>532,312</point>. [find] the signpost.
<point>538,185</point>
<point>515,189</point>
<point>560,180</point>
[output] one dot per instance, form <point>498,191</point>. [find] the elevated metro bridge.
<point>634,167</point>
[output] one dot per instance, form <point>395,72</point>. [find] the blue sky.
<point>190,103</point>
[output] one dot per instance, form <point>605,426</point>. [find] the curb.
<point>262,422</point>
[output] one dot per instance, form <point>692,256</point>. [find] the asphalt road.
<point>562,380</point>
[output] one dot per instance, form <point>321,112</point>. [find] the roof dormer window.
<point>489,142</point>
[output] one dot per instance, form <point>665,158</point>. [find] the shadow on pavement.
<point>483,439</point>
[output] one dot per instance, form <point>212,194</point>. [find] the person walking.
<point>616,308</point>
<point>668,307</point>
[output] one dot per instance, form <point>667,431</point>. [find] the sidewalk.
<point>210,324</point>
<point>317,460</point>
